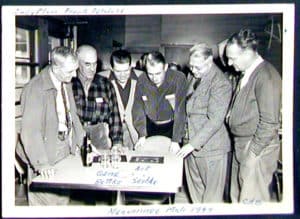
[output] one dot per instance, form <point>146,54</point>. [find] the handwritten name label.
<point>144,180</point>
<point>69,10</point>
<point>36,11</point>
<point>108,173</point>
<point>143,168</point>
<point>139,176</point>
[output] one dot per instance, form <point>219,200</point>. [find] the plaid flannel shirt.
<point>99,106</point>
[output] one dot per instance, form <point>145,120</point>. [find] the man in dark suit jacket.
<point>208,98</point>
<point>253,119</point>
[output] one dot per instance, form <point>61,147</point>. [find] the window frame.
<point>33,60</point>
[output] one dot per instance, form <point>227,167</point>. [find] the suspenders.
<point>127,112</point>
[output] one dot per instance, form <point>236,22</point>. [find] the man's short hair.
<point>245,38</point>
<point>201,50</point>
<point>120,56</point>
<point>60,53</point>
<point>154,58</point>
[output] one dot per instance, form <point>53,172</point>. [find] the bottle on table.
<point>86,151</point>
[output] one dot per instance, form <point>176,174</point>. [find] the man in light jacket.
<point>50,129</point>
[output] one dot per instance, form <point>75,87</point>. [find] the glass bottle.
<point>86,151</point>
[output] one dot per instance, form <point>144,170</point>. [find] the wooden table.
<point>163,177</point>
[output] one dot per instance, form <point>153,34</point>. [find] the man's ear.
<point>54,68</point>
<point>166,66</point>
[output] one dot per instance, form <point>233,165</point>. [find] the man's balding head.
<point>87,57</point>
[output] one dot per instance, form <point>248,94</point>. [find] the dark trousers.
<point>162,129</point>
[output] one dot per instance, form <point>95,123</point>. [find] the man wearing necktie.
<point>50,129</point>
<point>253,119</point>
<point>207,138</point>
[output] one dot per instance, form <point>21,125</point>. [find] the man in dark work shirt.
<point>159,106</point>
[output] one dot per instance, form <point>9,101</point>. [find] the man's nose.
<point>155,77</point>
<point>230,62</point>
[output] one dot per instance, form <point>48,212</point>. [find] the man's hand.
<point>95,150</point>
<point>174,147</point>
<point>47,171</point>
<point>140,143</point>
<point>185,150</point>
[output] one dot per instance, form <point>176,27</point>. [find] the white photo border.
<point>286,206</point>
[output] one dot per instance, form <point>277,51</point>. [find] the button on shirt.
<point>166,102</point>
<point>100,105</point>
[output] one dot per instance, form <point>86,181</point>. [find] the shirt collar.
<point>248,72</point>
<point>253,66</point>
<point>56,82</point>
<point>131,76</point>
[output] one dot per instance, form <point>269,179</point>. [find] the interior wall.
<point>191,29</point>
<point>143,30</point>
<point>175,34</point>
<point>100,31</point>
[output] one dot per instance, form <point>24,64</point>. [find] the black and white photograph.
<point>147,110</point>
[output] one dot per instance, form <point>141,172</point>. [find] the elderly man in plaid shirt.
<point>96,102</point>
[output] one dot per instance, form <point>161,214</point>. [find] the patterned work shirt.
<point>166,102</point>
<point>99,106</point>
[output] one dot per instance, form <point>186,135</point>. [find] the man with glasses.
<point>159,106</point>
<point>124,80</point>
<point>208,142</point>
<point>96,102</point>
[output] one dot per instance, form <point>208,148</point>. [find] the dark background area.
<point>173,35</point>
<point>296,115</point>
